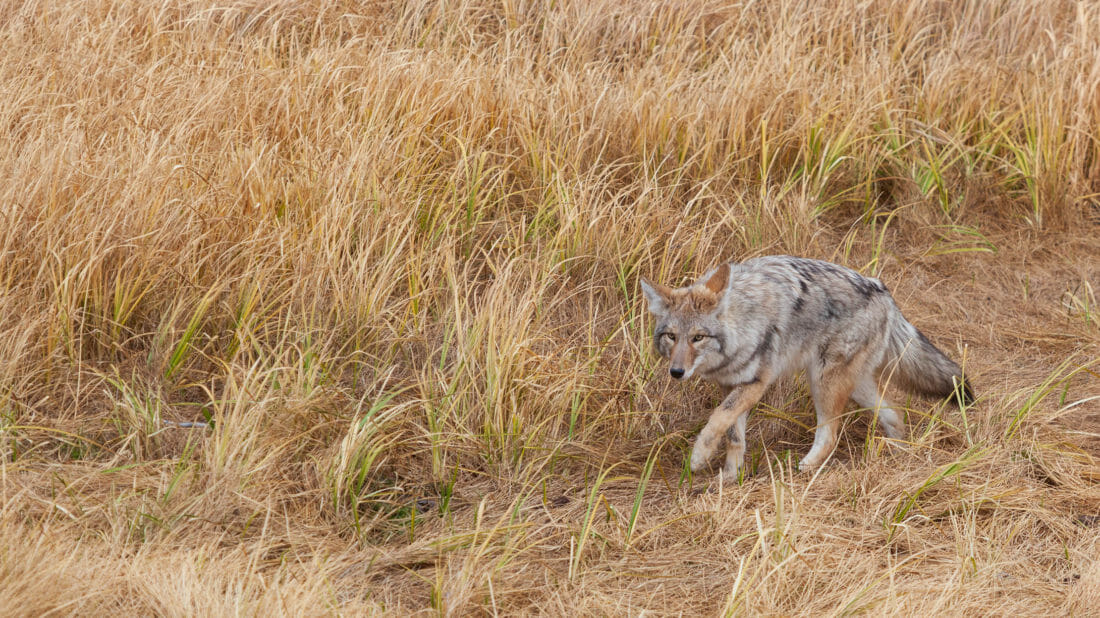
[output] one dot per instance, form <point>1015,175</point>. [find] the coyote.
<point>745,325</point>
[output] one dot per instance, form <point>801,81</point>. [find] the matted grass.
<point>332,308</point>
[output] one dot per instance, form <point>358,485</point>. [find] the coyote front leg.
<point>736,404</point>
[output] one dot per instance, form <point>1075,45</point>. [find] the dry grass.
<point>390,251</point>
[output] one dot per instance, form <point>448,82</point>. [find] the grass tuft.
<point>333,307</point>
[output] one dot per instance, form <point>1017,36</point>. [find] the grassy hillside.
<point>388,253</point>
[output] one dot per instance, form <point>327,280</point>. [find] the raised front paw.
<point>701,453</point>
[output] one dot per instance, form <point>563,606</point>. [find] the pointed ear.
<point>657,295</point>
<point>716,284</point>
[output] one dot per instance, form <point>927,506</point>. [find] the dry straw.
<point>332,307</point>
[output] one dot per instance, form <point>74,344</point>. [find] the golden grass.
<point>390,252</point>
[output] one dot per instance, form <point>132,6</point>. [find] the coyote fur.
<point>743,326</point>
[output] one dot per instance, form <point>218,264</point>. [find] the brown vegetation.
<point>390,251</point>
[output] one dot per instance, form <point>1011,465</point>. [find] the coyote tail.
<point>918,366</point>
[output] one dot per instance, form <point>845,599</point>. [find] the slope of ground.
<point>313,308</point>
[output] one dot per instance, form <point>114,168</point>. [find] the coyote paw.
<point>729,477</point>
<point>808,465</point>
<point>700,455</point>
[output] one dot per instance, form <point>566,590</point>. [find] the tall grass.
<point>331,307</point>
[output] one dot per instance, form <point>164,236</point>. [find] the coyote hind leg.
<point>829,403</point>
<point>868,395</point>
<point>831,386</point>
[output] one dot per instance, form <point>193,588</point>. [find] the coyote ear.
<point>657,295</point>
<point>716,284</point>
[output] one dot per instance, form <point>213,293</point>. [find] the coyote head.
<point>689,332</point>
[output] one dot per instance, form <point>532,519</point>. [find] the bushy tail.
<point>916,365</point>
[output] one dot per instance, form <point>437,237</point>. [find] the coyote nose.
<point>676,372</point>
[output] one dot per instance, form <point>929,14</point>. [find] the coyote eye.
<point>669,336</point>
<point>697,338</point>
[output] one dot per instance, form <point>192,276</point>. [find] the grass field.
<point>388,252</point>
